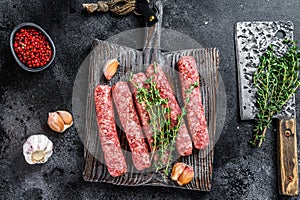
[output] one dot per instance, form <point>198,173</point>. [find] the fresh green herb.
<point>276,80</point>
<point>164,136</point>
<point>176,128</point>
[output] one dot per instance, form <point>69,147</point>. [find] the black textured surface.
<point>240,172</point>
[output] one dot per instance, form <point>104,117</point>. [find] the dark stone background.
<point>240,172</point>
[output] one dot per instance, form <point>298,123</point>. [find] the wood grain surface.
<point>288,157</point>
<point>132,61</point>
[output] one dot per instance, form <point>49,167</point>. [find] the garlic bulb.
<point>60,120</point>
<point>37,149</point>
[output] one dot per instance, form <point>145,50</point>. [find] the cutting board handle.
<point>288,157</point>
<point>153,35</point>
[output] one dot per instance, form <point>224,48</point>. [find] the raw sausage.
<point>114,158</point>
<point>195,113</point>
<point>138,81</point>
<point>183,141</point>
<point>130,122</point>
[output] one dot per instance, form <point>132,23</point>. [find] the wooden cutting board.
<point>134,61</point>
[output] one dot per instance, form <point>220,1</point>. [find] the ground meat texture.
<point>183,141</point>
<point>195,112</point>
<point>138,82</point>
<point>113,155</point>
<point>130,122</point>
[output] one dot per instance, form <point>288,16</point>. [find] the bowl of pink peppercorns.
<point>32,47</point>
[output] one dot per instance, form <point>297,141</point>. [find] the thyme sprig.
<point>179,123</point>
<point>164,135</point>
<point>276,80</point>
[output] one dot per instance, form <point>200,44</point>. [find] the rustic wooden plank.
<point>132,61</point>
<point>288,157</point>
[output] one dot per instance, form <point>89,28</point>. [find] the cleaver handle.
<point>288,157</point>
<point>153,34</point>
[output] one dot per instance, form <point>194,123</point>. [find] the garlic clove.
<point>66,117</point>
<point>37,149</point>
<point>60,120</point>
<point>186,176</point>
<point>177,170</point>
<point>55,122</point>
<point>182,173</point>
<point>110,68</point>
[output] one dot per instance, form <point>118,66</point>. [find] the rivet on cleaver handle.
<point>288,157</point>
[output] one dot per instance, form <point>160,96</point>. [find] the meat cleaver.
<point>252,40</point>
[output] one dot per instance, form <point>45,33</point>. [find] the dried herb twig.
<point>276,80</point>
<point>119,7</point>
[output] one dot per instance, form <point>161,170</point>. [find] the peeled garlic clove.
<point>182,173</point>
<point>37,149</point>
<point>186,176</point>
<point>110,68</point>
<point>60,120</point>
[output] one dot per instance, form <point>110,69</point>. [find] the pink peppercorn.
<point>32,47</point>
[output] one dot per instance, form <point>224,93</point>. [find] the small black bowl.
<point>12,36</point>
